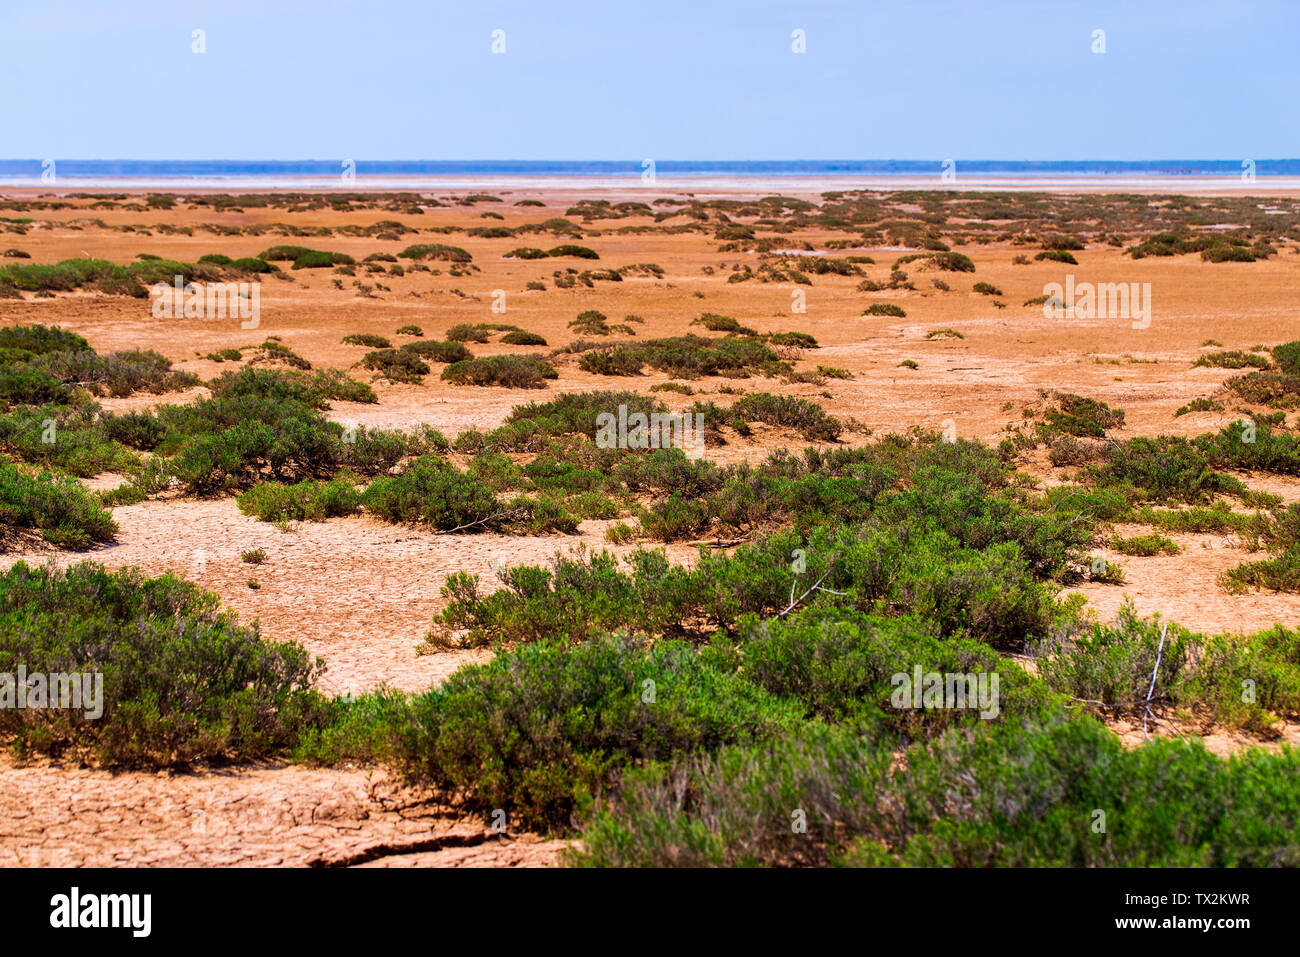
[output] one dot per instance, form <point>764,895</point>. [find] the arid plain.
<point>360,592</point>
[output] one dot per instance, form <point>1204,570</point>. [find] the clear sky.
<point>669,79</point>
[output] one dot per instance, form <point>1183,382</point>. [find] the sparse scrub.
<point>512,372</point>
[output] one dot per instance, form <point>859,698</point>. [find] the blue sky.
<point>389,79</point>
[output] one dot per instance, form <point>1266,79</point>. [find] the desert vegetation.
<point>659,652</point>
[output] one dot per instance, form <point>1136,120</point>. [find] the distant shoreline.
<point>644,177</point>
<point>633,187</point>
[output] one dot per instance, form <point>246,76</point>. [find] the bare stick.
<point>1154,671</point>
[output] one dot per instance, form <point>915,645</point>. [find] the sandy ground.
<point>268,815</point>
<point>360,593</point>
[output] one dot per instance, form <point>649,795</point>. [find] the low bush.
<point>368,340</point>
<point>568,249</point>
<point>512,372</point>
<point>1003,795</point>
<point>947,262</point>
<point>540,731</point>
<point>812,421</point>
<point>396,365</point>
<point>885,309</point>
<point>1235,359</point>
<point>1198,405</point>
<point>466,332</point>
<point>1145,545</point>
<point>436,251</point>
<point>1280,573</point>
<point>307,501</point>
<point>521,338</point>
<point>58,508</point>
<point>436,351</point>
<point>176,680</point>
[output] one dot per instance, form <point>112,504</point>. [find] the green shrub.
<point>59,508</point>
<point>568,249</point>
<point>308,258</point>
<point>885,309</point>
<point>1278,389</point>
<point>1114,665</point>
<point>305,501</point>
<point>436,351</point>
<point>616,361</point>
<point>70,274</point>
<point>1236,359</point>
<point>367,340</point>
<point>512,372</point>
<point>436,251</point>
<point>590,323</point>
<point>119,374</point>
<point>948,262</point>
<point>1079,416</point>
<point>1145,545</point>
<point>396,365</point>
<point>181,680</point>
<point>24,384</point>
<point>577,412</point>
<point>1280,573</point>
<point>1167,468</point>
<point>687,357</point>
<point>812,421</point>
<point>432,490</point>
<point>521,338</point>
<point>70,438</point>
<point>902,563</point>
<point>1199,405</point>
<point>1286,355</point>
<point>42,364</point>
<point>39,340</point>
<point>840,666</point>
<point>1061,242</point>
<point>538,731</point>
<point>1228,253</point>
<point>798,340</point>
<point>716,323</point>
<point>281,384</point>
<point>465,332</point>
<point>315,259</point>
<point>1002,796</point>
